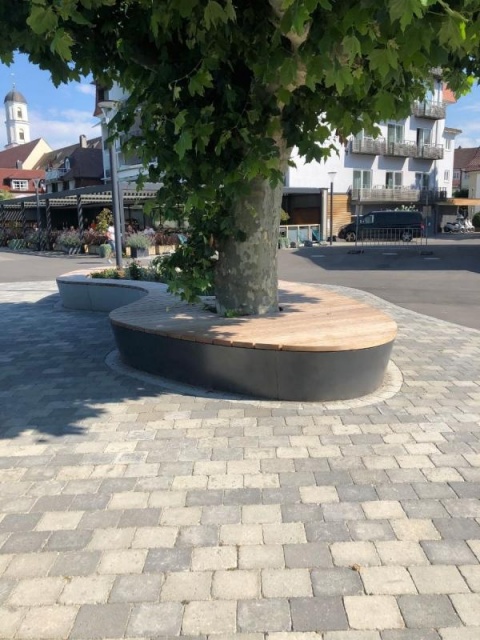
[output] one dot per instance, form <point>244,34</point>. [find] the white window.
<point>395,133</point>
<point>362,179</point>
<point>20,185</point>
<point>19,113</point>
<point>423,137</point>
<point>393,179</point>
<point>446,175</point>
<point>456,174</point>
<point>422,180</point>
<point>448,144</point>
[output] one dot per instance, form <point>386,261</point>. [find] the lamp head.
<point>331,175</point>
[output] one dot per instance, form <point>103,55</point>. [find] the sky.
<point>58,115</point>
<point>61,115</point>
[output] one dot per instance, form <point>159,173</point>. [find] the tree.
<point>223,90</point>
<point>4,194</point>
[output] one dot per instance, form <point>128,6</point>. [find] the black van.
<point>385,225</point>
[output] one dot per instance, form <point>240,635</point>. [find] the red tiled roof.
<point>9,157</point>
<point>6,175</point>
<point>448,95</point>
<point>463,157</point>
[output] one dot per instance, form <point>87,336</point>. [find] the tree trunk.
<point>246,281</point>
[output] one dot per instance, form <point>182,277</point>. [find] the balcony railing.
<point>431,151</point>
<point>409,149</point>
<point>404,149</point>
<point>382,194</point>
<point>51,175</point>
<point>371,146</point>
<point>429,109</point>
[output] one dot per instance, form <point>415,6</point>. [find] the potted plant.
<point>105,251</point>
<point>69,241</point>
<point>138,244</point>
<point>476,221</point>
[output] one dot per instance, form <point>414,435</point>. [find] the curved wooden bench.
<point>320,346</point>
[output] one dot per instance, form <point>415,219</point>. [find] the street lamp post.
<point>331,175</point>
<point>37,183</point>
<point>106,106</point>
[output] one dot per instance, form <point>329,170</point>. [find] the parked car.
<point>385,225</point>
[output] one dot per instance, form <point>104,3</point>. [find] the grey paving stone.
<point>89,502</point>
<point>53,503</point>
<point>356,493</point>
<point>139,518</point>
<point>424,509</point>
<point>100,621</point>
<point>25,542</point>
<point>428,611</point>
<point>327,531</point>
<point>339,581</point>
<point>410,634</point>
<point>137,588</point>
<point>318,614</point>
<point>371,530</point>
<point>448,552</point>
<point>6,586</point>
<point>204,498</point>
<point>81,563</point>
<point>457,528</point>
<point>19,522</point>
<point>197,536</point>
<point>242,496</point>
<point>301,512</point>
<point>399,491</point>
<point>68,540</point>
<point>222,514</point>
<point>100,519</point>
<point>285,495</point>
<point>343,511</point>
<point>161,560</point>
<point>335,478</point>
<point>265,616</point>
<point>160,619</point>
<point>314,554</point>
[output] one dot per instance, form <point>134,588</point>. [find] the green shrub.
<point>70,239</point>
<point>138,241</point>
<point>105,250</point>
<point>476,220</point>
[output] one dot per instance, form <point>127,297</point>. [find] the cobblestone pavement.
<point>131,510</point>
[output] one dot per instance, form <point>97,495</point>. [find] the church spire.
<point>16,112</point>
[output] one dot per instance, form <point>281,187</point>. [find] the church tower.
<point>18,126</point>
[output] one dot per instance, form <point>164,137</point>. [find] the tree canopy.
<point>224,89</point>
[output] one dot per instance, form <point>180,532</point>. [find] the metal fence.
<point>405,238</point>
<point>298,234</point>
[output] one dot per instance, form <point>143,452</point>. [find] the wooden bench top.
<point>311,319</point>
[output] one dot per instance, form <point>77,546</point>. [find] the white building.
<point>16,122</point>
<point>410,162</point>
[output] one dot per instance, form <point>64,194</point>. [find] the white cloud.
<point>86,89</point>
<point>59,128</point>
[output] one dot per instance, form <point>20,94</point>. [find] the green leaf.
<point>42,20</point>
<point>62,44</point>
<point>183,144</point>
<point>214,13</point>
<point>180,120</point>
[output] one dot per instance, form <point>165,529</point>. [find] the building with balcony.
<point>73,167</point>
<point>409,163</point>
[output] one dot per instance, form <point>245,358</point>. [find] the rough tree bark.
<point>246,280</point>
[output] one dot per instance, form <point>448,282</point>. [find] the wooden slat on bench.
<point>312,319</point>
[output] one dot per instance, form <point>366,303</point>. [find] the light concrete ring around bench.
<point>321,346</point>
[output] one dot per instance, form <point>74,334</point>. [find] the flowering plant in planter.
<point>138,241</point>
<point>70,239</point>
